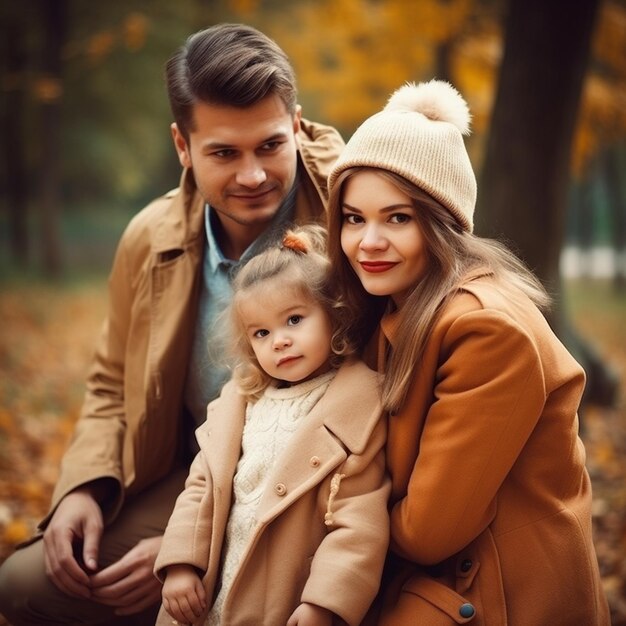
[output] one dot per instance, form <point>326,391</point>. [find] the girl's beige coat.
<point>491,501</point>
<point>293,556</point>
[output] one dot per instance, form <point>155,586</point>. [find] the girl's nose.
<point>281,342</point>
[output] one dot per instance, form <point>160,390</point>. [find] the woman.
<point>490,504</point>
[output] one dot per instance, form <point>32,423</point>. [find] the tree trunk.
<point>50,93</point>
<point>526,169</point>
<point>525,176</point>
<point>13,143</point>
<point>442,60</point>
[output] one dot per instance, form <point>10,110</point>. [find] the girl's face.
<point>381,237</point>
<point>289,333</point>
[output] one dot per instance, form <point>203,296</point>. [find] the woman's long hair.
<point>452,254</point>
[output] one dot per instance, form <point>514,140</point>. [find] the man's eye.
<point>295,319</point>
<point>223,154</point>
<point>271,145</point>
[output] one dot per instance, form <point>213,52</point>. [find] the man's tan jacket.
<point>131,426</point>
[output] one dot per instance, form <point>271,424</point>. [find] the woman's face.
<point>381,237</point>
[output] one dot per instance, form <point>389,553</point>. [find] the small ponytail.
<point>296,242</point>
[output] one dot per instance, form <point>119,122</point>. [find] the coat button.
<point>466,565</point>
<point>467,610</point>
<point>315,461</point>
<point>280,489</point>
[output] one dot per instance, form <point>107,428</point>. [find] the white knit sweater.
<point>270,423</point>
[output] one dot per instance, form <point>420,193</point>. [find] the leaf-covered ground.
<point>47,334</point>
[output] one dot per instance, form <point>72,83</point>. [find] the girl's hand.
<point>184,597</point>
<point>310,615</point>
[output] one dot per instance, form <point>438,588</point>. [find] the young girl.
<point>491,502</point>
<point>284,515</point>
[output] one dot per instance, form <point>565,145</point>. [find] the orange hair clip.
<point>295,243</point>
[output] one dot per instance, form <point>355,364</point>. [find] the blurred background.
<point>85,144</point>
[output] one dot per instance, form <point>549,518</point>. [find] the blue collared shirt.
<point>209,366</point>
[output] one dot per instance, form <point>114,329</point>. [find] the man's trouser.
<point>29,598</point>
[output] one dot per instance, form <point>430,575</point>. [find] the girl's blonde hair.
<point>452,254</point>
<point>299,262</point>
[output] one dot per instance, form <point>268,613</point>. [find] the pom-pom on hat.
<point>419,135</point>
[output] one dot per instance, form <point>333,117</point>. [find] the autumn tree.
<point>54,13</point>
<point>527,163</point>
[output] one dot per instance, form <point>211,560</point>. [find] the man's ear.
<point>180,143</point>
<point>297,116</point>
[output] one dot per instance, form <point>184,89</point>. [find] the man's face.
<point>243,159</point>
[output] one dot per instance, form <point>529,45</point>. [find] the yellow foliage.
<point>602,119</point>
<point>33,489</point>
<point>243,7</point>
<point>16,531</point>
<point>602,115</point>
<point>7,423</point>
<point>349,55</point>
<point>610,37</point>
<point>135,30</point>
<point>48,89</point>
<point>100,45</point>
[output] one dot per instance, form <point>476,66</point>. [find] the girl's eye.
<point>399,218</point>
<point>294,319</point>
<point>351,218</point>
<point>262,332</point>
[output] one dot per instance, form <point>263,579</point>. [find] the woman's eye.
<point>294,319</point>
<point>351,218</point>
<point>400,218</point>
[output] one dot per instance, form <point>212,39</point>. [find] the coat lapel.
<point>339,424</point>
<point>220,436</point>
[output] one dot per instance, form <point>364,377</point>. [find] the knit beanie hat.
<point>418,135</point>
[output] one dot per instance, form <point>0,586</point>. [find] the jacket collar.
<point>183,222</point>
<point>318,149</point>
<point>391,321</point>
<point>340,399</point>
<point>345,400</point>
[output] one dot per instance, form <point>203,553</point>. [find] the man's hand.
<point>130,584</point>
<point>184,597</point>
<point>310,615</point>
<point>78,517</point>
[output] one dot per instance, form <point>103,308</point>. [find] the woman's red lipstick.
<point>376,267</point>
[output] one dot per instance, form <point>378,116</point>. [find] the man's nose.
<point>251,174</point>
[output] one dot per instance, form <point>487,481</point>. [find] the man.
<point>251,166</point>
